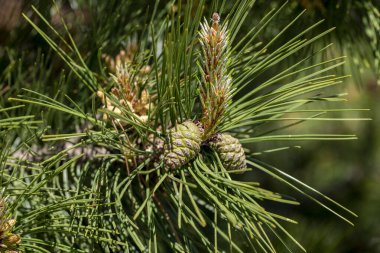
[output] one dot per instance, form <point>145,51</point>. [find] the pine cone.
<point>184,145</point>
<point>230,151</point>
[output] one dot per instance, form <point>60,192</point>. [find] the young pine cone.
<point>184,145</point>
<point>11,240</point>
<point>8,240</point>
<point>230,151</point>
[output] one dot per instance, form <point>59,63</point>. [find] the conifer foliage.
<point>151,159</point>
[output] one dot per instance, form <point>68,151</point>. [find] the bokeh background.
<point>347,171</point>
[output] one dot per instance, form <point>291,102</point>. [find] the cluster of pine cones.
<point>185,142</point>
<point>216,93</point>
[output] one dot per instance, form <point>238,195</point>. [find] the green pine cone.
<point>230,151</point>
<point>184,145</point>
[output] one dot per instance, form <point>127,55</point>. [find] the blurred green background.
<point>348,171</point>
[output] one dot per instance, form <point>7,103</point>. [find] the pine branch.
<point>157,179</point>
<point>216,86</point>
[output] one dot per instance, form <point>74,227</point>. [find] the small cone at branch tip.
<point>7,225</point>
<point>11,240</point>
<point>215,21</point>
<point>230,151</point>
<point>184,145</point>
